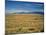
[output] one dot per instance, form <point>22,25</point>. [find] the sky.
<point>18,6</point>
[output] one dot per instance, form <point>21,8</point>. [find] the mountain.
<point>30,13</point>
<point>38,12</point>
<point>24,13</point>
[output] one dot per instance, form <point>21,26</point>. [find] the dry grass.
<point>24,23</point>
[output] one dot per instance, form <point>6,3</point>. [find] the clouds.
<point>15,6</point>
<point>28,6</point>
<point>22,11</point>
<point>12,11</point>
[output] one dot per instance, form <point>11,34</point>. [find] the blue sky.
<point>17,6</point>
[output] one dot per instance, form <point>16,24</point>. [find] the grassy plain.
<point>24,23</point>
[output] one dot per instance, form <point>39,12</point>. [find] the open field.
<point>18,23</point>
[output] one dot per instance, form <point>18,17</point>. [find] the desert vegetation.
<point>24,23</point>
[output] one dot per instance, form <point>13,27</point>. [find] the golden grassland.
<point>21,23</point>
